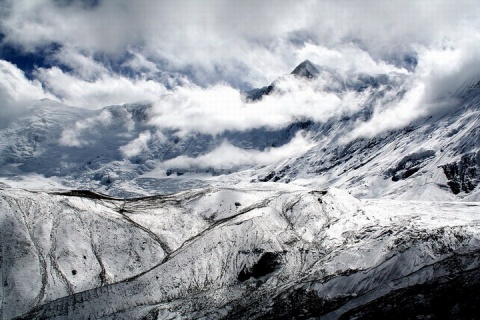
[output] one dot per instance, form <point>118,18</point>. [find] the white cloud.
<point>83,66</point>
<point>105,89</point>
<point>15,88</point>
<point>227,156</point>
<point>345,58</point>
<point>137,146</point>
<point>73,137</point>
<point>219,108</point>
<point>398,114</point>
<point>214,39</point>
<point>443,71</point>
<point>141,64</point>
<point>16,91</point>
<point>449,65</point>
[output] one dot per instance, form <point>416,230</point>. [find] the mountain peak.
<point>305,69</point>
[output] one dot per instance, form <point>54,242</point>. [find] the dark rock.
<point>268,177</point>
<point>268,263</point>
<point>445,298</point>
<point>463,175</point>
<point>257,94</point>
<point>306,69</point>
<point>410,164</point>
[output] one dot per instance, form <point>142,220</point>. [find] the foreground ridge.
<point>237,253</point>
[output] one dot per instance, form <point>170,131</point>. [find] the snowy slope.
<point>55,246</point>
<point>434,158</point>
<point>255,251</point>
<point>54,145</point>
<point>119,150</point>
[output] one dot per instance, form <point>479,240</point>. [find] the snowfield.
<point>253,251</point>
<point>312,197</point>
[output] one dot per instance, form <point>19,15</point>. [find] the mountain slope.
<point>435,157</point>
<point>55,246</point>
<point>95,149</point>
<point>122,151</point>
<point>251,252</point>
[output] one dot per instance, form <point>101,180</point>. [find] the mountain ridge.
<point>119,151</point>
<point>242,252</point>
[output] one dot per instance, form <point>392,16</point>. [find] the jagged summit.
<point>306,69</point>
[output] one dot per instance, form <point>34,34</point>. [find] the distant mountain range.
<point>105,214</point>
<point>434,157</point>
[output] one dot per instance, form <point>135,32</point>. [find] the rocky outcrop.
<point>410,164</point>
<point>463,175</point>
<point>306,69</point>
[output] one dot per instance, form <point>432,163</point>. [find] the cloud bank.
<point>17,92</point>
<point>220,108</point>
<point>219,40</point>
<point>193,58</point>
<point>227,156</point>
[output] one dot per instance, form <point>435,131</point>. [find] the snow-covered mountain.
<point>53,145</point>
<point>434,157</point>
<point>287,209</point>
<point>251,252</point>
<point>122,151</point>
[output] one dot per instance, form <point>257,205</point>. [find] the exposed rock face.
<point>306,69</point>
<point>452,297</point>
<point>248,252</point>
<point>257,94</point>
<point>463,175</point>
<point>410,164</point>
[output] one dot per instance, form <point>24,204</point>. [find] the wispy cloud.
<point>105,89</point>
<point>441,72</point>
<point>219,108</point>
<point>227,156</point>
<point>137,146</point>
<point>75,137</point>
